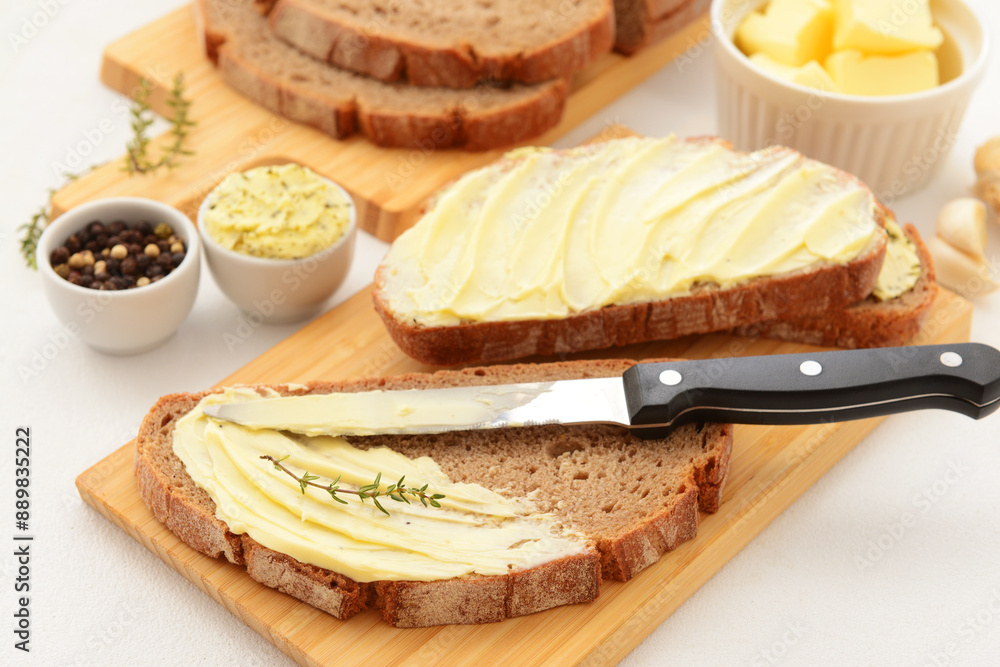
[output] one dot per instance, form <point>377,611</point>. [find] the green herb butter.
<point>278,212</point>
<point>901,269</point>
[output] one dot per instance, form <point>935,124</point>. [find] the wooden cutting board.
<point>234,134</point>
<point>771,466</point>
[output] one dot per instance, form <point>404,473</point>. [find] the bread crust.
<point>705,310</point>
<point>186,510</point>
<point>643,23</point>
<point>385,113</point>
<point>868,323</point>
<point>383,53</point>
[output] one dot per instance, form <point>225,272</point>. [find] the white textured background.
<point>799,594</point>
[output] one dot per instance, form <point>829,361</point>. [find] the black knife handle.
<point>814,387</point>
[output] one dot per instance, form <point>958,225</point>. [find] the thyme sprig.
<point>398,491</point>
<point>137,160</point>
<point>32,230</point>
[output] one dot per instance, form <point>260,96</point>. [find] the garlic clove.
<point>987,163</point>
<point>969,276</point>
<point>988,155</point>
<point>962,223</point>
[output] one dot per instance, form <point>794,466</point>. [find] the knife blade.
<point>652,398</point>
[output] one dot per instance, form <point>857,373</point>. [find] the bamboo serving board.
<point>234,134</point>
<point>770,467</point>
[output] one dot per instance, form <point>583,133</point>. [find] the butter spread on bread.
<point>901,269</point>
<point>556,233</point>
<point>475,532</point>
<point>887,321</point>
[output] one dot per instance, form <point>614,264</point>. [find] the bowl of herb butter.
<point>279,240</point>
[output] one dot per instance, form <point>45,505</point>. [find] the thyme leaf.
<point>397,492</point>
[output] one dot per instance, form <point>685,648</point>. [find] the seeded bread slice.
<point>290,83</point>
<point>707,308</point>
<point>868,323</point>
<point>642,23</point>
<point>634,499</point>
<point>449,43</point>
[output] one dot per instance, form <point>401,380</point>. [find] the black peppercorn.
<point>59,256</point>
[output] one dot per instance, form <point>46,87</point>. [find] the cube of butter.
<point>811,75</point>
<point>792,32</point>
<point>885,26</point>
<point>858,74</point>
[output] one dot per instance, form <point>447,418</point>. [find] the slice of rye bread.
<point>291,84</point>
<point>868,323</point>
<point>634,499</point>
<point>449,43</point>
<point>708,308</point>
<point>642,23</point>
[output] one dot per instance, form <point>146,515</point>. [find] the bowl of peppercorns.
<point>122,272</point>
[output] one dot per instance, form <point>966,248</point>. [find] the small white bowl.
<point>280,291</point>
<point>893,143</point>
<point>124,321</point>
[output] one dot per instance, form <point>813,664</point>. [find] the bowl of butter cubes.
<point>875,87</point>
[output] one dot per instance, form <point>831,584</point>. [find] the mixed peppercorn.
<point>117,256</point>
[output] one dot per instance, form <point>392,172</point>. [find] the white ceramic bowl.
<point>126,321</point>
<point>892,143</point>
<point>280,291</point>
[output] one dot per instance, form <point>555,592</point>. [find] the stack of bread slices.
<point>479,74</point>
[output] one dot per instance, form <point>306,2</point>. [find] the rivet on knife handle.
<point>814,387</point>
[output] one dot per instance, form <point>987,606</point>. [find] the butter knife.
<point>651,398</point>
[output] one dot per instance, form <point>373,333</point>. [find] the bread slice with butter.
<point>624,241</point>
<point>623,501</point>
